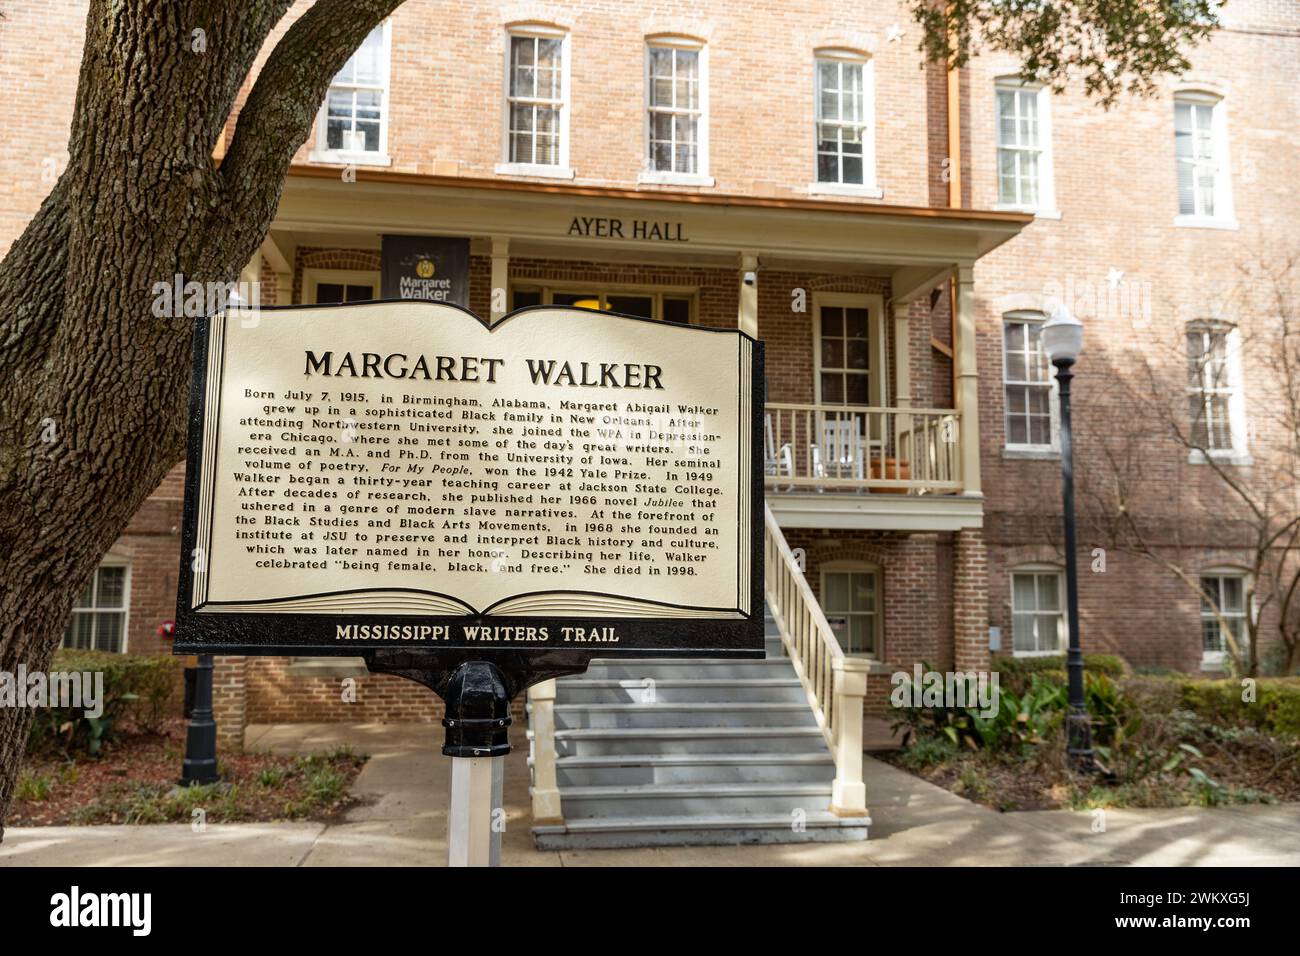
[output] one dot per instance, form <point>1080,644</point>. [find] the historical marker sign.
<point>397,475</point>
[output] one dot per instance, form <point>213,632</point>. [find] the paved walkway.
<point>402,821</point>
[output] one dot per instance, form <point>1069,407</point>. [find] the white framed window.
<point>677,113</point>
<point>844,124</point>
<point>99,615</point>
<point>1201,158</point>
<point>1225,589</point>
<point>321,286</point>
<point>536,124</point>
<point>1028,385</point>
<point>1216,407</point>
<point>352,125</point>
<point>1037,611</point>
<point>849,349</point>
<point>1024,123</point>
<point>852,600</point>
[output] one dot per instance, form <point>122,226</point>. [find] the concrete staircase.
<point>691,753</point>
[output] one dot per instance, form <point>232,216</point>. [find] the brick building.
<point>895,233</point>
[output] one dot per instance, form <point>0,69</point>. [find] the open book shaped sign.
<point>400,475</point>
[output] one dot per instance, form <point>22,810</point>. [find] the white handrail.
<point>834,683</point>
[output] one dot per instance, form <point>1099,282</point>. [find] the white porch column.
<point>967,395</point>
<point>747,317</point>
<point>546,791</point>
<point>902,355</point>
<point>500,300</point>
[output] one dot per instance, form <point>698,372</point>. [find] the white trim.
<point>562,169</point>
<point>320,153</point>
<point>1224,216</point>
<point>1218,660</point>
<point>533,169</point>
<point>107,561</point>
<point>1026,449</point>
<point>648,174</point>
<point>1039,569</point>
<point>877,345</point>
<point>1046,207</point>
<point>312,277</point>
<point>869,187</point>
<point>1239,453</point>
<point>851,566</point>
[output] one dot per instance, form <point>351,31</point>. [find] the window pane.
<point>857,353</point>
<point>677,310</point>
<point>837,592</point>
<point>832,321</point>
<point>1049,592</point>
<point>832,388</point>
<point>329,292</point>
<point>112,585</point>
<point>864,592</point>
<point>856,390</point>
<point>1234,595</point>
<point>79,631</point>
<point>526,297</point>
<point>1023,592</point>
<point>832,353</point>
<point>360,293</point>
<point>632,305</point>
<point>1022,632</point>
<point>108,631</point>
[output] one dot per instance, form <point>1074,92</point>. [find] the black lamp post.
<point>200,763</point>
<point>1062,340</point>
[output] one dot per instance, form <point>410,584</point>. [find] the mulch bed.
<point>134,781</point>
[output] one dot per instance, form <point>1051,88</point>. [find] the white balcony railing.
<point>860,448</point>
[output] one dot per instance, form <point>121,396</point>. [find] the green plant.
<point>271,777</point>
<point>33,787</point>
<point>135,689</point>
<point>928,751</point>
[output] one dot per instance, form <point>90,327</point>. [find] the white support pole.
<point>500,300</point>
<point>476,784</point>
<point>967,381</point>
<point>546,791</point>
<point>849,791</point>
<point>747,315</point>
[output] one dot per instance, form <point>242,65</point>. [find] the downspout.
<point>954,188</point>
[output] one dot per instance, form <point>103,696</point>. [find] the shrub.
<point>928,751</point>
<point>135,687</point>
<point>1275,710</point>
<point>1015,672</point>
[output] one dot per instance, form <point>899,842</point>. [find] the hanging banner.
<point>398,474</point>
<point>428,268</point>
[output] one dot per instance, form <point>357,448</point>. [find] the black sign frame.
<point>304,634</point>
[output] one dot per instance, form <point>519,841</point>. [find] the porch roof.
<point>318,207</point>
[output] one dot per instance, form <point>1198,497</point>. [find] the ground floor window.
<point>665,305</point>
<point>331,286</point>
<point>851,602</point>
<point>98,621</point>
<point>1227,592</point>
<point>1037,611</point>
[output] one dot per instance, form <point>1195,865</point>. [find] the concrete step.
<point>712,830</point>
<point>708,668</point>
<point>578,690</point>
<point>667,769</point>
<point>696,799</point>
<point>588,742</point>
<point>743,715</point>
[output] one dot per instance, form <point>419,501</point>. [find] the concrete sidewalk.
<point>402,821</point>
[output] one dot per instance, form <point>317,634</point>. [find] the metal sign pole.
<point>478,728</point>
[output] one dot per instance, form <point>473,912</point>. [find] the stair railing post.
<point>849,792</point>
<point>546,791</point>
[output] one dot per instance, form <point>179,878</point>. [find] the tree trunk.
<point>92,413</point>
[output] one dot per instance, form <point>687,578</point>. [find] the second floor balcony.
<point>860,449</point>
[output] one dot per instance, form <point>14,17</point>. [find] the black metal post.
<point>200,763</point>
<point>1078,745</point>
